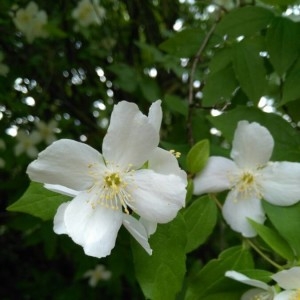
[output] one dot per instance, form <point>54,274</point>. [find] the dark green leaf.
<point>197,157</point>
<point>244,21</point>
<point>276,242</point>
<point>38,202</point>
<point>249,69</point>
<point>286,220</point>
<point>200,218</point>
<point>211,278</point>
<point>282,42</point>
<point>161,274</point>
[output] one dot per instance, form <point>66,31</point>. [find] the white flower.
<point>107,187</point>
<point>250,177</point>
<point>46,131</point>
<point>262,291</point>
<point>27,143</point>
<point>290,281</point>
<point>88,12</point>
<point>97,274</point>
<point>31,21</point>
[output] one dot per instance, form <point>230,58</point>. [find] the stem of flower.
<point>265,257</point>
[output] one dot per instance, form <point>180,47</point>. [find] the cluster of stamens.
<point>112,189</point>
<point>175,153</point>
<point>246,185</point>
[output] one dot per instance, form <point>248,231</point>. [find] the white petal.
<point>215,176</point>
<point>258,294</point>
<point>61,190</point>
<point>236,211</point>
<point>287,295</point>
<point>59,222</point>
<point>252,145</point>
<point>281,183</point>
<point>138,231</point>
<point>155,115</point>
<point>245,279</point>
<point>288,279</point>
<point>96,228</point>
<point>157,197</point>
<point>149,226</point>
<point>66,163</point>
<point>130,138</point>
<point>164,162</point>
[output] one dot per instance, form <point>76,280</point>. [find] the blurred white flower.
<point>106,188</point>
<point>27,143</point>
<point>46,131</point>
<point>250,177</point>
<point>98,274</point>
<point>290,281</point>
<point>88,12</point>
<point>4,69</point>
<point>31,21</point>
<point>262,291</point>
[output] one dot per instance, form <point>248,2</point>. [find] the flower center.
<point>246,185</point>
<point>296,295</point>
<point>113,189</point>
<point>262,296</point>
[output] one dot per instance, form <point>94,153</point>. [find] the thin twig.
<point>191,80</point>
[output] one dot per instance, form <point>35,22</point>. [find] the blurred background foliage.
<point>212,63</point>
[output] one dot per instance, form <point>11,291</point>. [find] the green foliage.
<point>38,202</point>
<point>160,275</point>
<point>210,281</point>
<point>200,218</point>
<point>198,156</point>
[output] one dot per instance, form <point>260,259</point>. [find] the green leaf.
<point>38,202</point>
<point>161,274</point>
<point>244,21</point>
<point>282,42</point>
<point>287,139</point>
<point>258,274</point>
<point>280,2</point>
<point>211,278</point>
<point>197,157</point>
<point>291,85</point>
<point>176,104</point>
<point>200,218</point>
<point>249,69</point>
<point>276,242</point>
<point>225,81</point>
<point>186,42</point>
<point>286,220</point>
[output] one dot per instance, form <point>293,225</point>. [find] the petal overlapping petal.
<point>59,219</point>
<point>66,162</point>
<point>157,197</point>
<point>130,138</point>
<point>252,145</point>
<point>215,177</point>
<point>288,279</point>
<point>61,190</point>
<point>164,162</point>
<point>138,231</point>
<point>280,182</point>
<point>95,228</point>
<point>287,295</point>
<point>237,211</point>
<point>155,115</point>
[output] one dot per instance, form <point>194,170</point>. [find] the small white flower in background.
<point>31,21</point>
<point>290,281</point>
<point>88,12</point>
<point>250,177</point>
<point>262,291</point>
<point>47,131</point>
<point>27,143</point>
<point>98,274</point>
<point>3,68</point>
<point>106,188</point>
